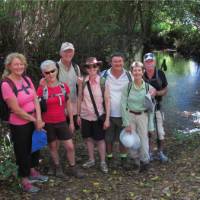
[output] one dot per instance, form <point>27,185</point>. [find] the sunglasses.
<point>50,72</point>
<point>91,66</point>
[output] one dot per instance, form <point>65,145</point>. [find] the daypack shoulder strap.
<point>27,81</point>
<point>159,81</point>
<point>45,92</point>
<point>147,87</point>
<point>128,92</point>
<point>76,69</point>
<point>129,76</point>
<point>11,84</point>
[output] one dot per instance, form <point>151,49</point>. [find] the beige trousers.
<point>139,123</point>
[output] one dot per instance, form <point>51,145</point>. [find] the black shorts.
<point>57,131</point>
<point>92,129</point>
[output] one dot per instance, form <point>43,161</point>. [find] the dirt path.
<point>177,180</point>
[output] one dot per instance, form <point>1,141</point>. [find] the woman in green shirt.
<point>135,116</point>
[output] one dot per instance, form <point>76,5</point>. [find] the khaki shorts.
<point>159,122</point>
<point>113,132</point>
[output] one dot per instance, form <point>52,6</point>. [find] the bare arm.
<point>39,123</point>
<point>70,115</point>
<point>15,108</point>
<point>107,107</point>
<point>162,92</point>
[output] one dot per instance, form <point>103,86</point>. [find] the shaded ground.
<point>177,180</point>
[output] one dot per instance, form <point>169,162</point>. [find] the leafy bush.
<point>7,166</point>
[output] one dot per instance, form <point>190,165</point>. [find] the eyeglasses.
<point>91,66</point>
<point>50,72</point>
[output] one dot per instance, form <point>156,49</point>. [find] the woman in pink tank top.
<point>24,118</point>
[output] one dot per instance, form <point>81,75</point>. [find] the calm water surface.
<point>184,92</point>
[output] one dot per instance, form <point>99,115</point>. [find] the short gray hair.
<point>46,64</point>
<point>137,64</point>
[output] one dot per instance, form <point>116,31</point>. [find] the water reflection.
<point>184,92</point>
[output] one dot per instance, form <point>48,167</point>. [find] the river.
<point>184,91</point>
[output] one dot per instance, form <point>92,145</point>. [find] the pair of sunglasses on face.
<point>91,66</point>
<point>50,72</point>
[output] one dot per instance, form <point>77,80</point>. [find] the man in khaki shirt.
<point>69,73</point>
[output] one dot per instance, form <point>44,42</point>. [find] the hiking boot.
<point>143,167</point>
<point>162,157</point>
<point>28,187</point>
<point>152,157</point>
<point>37,177</point>
<point>59,171</point>
<point>74,171</point>
<point>104,167</point>
<point>110,161</point>
<point>88,164</point>
<point>124,163</point>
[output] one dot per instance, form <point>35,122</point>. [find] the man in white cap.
<point>69,73</point>
<point>157,79</point>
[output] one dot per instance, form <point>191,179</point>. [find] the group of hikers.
<point>101,104</point>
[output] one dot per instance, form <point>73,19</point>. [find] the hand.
<point>71,127</point>
<point>128,129</point>
<point>39,124</point>
<point>79,80</point>
<point>79,120</point>
<point>106,124</point>
<point>152,92</point>
<point>43,82</point>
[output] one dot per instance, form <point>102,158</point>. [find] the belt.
<point>137,113</point>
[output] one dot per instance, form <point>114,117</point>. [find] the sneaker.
<point>74,171</point>
<point>104,167</point>
<point>37,177</point>
<point>88,164</point>
<point>152,157</point>
<point>28,187</point>
<point>162,157</point>
<point>124,163</point>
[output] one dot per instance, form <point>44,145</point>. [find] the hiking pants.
<point>21,136</point>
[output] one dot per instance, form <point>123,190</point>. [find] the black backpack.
<point>4,109</point>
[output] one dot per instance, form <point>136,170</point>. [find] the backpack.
<point>45,96</point>
<point>75,66</point>
<point>129,89</point>
<point>76,69</point>
<point>4,109</point>
<point>157,79</point>
<point>104,77</point>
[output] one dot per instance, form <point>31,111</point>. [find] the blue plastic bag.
<point>39,140</point>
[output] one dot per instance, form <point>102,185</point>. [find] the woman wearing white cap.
<point>135,114</point>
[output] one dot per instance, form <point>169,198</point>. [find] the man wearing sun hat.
<point>69,73</point>
<point>158,80</point>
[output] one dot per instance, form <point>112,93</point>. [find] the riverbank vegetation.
<point>97,28</point>
<point>37,28</point>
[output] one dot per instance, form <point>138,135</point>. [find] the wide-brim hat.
<point>92,61</point>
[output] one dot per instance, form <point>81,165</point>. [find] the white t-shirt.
<point>116,86</point>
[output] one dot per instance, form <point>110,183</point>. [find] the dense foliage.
<point>37,28</point>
